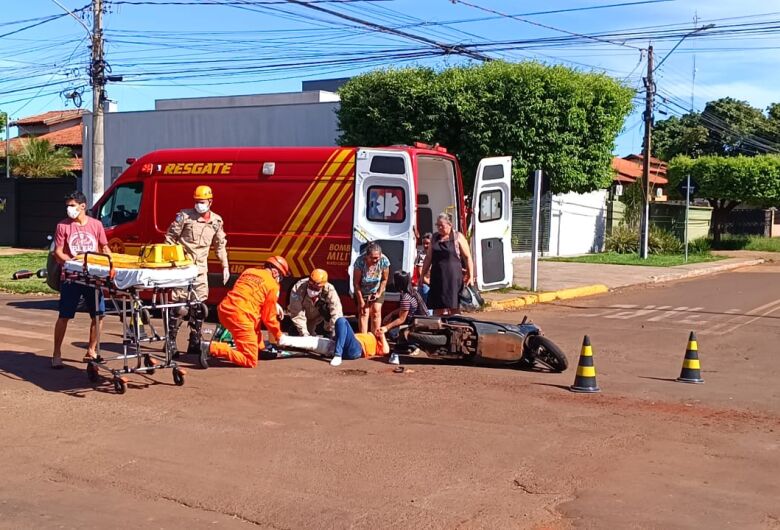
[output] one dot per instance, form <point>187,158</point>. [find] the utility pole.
<point>7,146</point>
<point>98,80</point>
<point>649,93</point>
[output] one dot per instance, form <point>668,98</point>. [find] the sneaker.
<point>394,359</point>
<point>336,361</point>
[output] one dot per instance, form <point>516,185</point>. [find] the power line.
<point>539,24</point>
<point>448,48</point>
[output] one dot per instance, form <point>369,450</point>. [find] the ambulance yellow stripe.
<point>329,211</point>
<point>342,203</point>
<point>337,153</point>
<point>325,188</point>
<point>319,217</point>
<point>303,211</point>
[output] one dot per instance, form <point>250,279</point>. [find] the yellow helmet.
<point>202,193</point>
<point>318,276</point>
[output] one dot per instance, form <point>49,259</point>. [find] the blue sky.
<point>205,43</point>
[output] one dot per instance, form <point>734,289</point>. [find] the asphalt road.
<point>298,444</point>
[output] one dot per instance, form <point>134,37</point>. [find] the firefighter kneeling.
<point>251,303</point>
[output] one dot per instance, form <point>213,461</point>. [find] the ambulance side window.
<point>122,206</point>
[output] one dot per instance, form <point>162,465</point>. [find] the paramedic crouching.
<point>251,303</point>
<point>314,306</point>
<point>74,236</point>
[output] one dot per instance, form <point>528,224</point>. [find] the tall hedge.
<point>728,181</point>
<point>550,117</point>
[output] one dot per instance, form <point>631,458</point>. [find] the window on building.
<point>115,172</point>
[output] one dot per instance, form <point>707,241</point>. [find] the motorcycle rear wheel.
<point>428,339</point>
<point>547,353</point>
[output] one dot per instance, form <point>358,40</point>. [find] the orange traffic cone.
<point>585,381</point>
<point>691,370</point>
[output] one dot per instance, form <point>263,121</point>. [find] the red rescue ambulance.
<point>316,206</point>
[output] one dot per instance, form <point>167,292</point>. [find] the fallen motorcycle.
<point>481,342</point>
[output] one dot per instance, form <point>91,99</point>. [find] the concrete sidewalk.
<point>14,251</point>
<point>563,280</point>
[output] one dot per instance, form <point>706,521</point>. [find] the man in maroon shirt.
<point>76,235</point>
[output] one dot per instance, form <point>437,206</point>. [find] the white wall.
<point>133,134</point>
<point>578,223</point>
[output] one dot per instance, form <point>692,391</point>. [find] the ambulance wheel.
<point>149,363</point>
<point>92,373</point>
<point>119,385</point>
<point>178,377</point>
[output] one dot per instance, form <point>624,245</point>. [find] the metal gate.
<point>522,210</point>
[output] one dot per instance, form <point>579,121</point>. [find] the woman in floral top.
<point>372,269</point>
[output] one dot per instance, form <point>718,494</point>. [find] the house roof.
<point>68,137</point>
<point>52,117</point>
<point>629,169</point>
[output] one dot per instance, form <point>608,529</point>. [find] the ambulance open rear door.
<point>491,223</point>
<point>384,209</point>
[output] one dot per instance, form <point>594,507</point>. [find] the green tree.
<point>726,127</point>
<point>727,181</point>
<point>39,159</point>
<point>550,117</point>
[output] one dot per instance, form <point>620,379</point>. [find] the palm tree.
<point>39,159</point>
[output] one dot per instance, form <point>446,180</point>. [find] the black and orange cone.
<point>691,369</point>
<point>585,381</point>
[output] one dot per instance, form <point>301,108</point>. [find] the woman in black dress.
<point>447,257</point>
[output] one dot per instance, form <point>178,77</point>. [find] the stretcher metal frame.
<point>133,311</point>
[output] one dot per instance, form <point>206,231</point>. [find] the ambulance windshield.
<point>122,205</point>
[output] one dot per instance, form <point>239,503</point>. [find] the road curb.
<point>548,296</point>
<point>598,288</point>
<point>704,272</point>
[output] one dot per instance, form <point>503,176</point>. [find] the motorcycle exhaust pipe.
<point>22,274</point>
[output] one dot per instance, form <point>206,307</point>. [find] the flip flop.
<point>91,358</point>
<point>56,364</point>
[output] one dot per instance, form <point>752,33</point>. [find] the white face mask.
<point>201,207</point>
<point>312,293</point>
<point>73,211</point>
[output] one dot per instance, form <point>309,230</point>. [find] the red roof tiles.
<point>52,117</point>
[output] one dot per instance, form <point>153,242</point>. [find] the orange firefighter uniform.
<point>251,302</point>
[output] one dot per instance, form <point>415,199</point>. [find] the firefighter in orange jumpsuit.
<point>251,302</point>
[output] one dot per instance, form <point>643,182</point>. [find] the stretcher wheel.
<point>149,363</point>
<point>178,376</point>
<point>119,385</point>
<point>92,373</point>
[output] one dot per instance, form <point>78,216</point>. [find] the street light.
<point>644,233</point>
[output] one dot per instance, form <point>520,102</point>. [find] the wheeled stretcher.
<point>122,285</point>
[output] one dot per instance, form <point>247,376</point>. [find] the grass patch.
<point>32,262</point>
<point>756,243</point>
<point>654,260</point>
